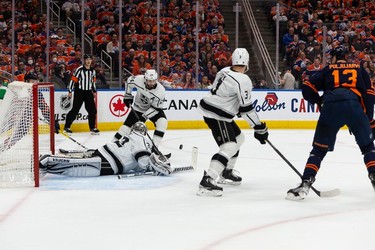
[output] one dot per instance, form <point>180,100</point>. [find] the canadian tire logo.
<point>65,102</point>
<point>117,106</point>
<point>271,98</point>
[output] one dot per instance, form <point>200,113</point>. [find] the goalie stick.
<point>328,193</point>
<point>192,166</point>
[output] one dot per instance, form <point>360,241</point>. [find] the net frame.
<point>35,88</point>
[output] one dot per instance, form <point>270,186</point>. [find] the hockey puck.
<point>119,176</point>
<point>181,146</point>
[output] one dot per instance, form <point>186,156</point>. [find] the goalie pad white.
<point>73,167</point>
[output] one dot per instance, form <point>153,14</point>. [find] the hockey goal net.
<point>26,132</point>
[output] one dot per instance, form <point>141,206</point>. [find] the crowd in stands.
<point>177,28</point>
<point>177,40</point>
<point>350,23</point>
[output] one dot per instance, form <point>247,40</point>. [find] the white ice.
<point>165,213</point>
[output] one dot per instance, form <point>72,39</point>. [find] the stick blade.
<point>194,157</point>
<point>330,193</point>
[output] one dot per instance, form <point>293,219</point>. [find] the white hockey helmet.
<point>240,56</point>
<point>139,128</point>
<point>151,76</point>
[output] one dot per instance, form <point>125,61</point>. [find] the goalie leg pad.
<point>73,167</point>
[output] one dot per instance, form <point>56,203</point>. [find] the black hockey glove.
<point>128,100</point>
<point>261,132</point>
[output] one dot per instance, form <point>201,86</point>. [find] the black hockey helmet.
<point>339,52</point>
<point>86,56</point>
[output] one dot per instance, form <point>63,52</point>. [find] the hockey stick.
<point>76,153</point>
<point>329,193</point>
<point>193,166</point>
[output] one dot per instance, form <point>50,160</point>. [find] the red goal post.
<point>26,132</point>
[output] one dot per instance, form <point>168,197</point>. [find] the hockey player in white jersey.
<point>130,154</point>
<point>149,104</point>
<point>229,96</point>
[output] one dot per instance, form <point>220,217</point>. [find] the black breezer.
<point>223,131</point>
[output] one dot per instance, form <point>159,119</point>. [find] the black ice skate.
<point>230,177</point>
<point>372,178</point>
<point>208,187</point>
<point>95,131</point>
<point>68,130</point>
<point>300,192</point>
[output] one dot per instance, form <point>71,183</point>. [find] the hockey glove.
<point>128,100</point>
<point>261,132</point>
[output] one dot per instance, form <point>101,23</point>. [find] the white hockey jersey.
<point>148,102</point>
<point>230,96</point>
<point>131,153</point>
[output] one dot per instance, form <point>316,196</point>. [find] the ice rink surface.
<point>164,213</point>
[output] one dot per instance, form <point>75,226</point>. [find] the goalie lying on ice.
<point>130,154</point>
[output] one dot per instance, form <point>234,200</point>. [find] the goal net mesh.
<point>25,132</point>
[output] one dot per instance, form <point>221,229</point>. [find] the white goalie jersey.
<point>230,96</point>
<point>131,153</point>
<point>148,102</point>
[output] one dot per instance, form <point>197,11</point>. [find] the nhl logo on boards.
<point>65,102</point>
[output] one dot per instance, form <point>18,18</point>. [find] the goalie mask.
<point>160,164</point>
<point>139,128</point>
<point>151,76</point>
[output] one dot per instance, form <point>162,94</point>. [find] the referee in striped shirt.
<point>83,82</point>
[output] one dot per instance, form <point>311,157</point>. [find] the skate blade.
<point>228,182</point>
<point>95,133</point>
<point>207,193</point>
<point>293,197</point>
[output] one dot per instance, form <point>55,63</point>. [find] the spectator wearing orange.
<point>140,65</point>
<point>312,69</point>
<point>178,59</point>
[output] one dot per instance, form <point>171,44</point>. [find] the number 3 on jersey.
<point>350,74</point>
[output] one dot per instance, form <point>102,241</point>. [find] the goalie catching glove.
<point>160,164</point>
<point>261,132</point>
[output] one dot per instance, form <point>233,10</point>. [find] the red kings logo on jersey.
<point>117,106</point>
<point>269,103</point>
